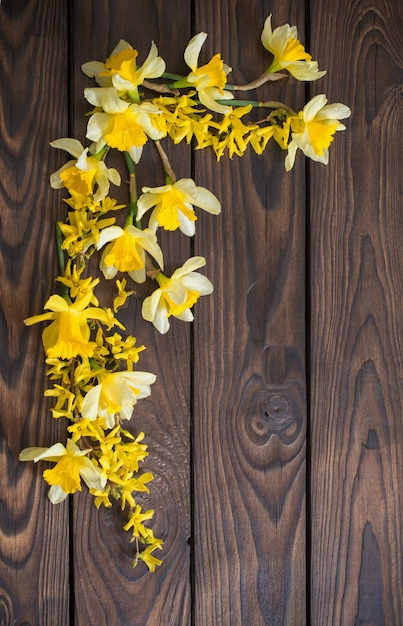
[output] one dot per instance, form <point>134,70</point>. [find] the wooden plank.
<point>357,291</point>
<point>34,546</point>
<point>106,589</point>
<point>249,407</point>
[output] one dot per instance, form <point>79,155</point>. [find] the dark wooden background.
<point>275,428</point>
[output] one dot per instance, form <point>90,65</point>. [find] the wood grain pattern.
<point>249,422</point>
<point>107,589</point>
<point>357,368</point>
<point>226,422</point>
<point>34,567</point>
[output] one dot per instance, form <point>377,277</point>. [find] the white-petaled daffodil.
<point>115,395</point>
<point>120,70</point>
<point>314,128</point>
<point>209,80</point>
<point>125,251</point>
<point>174,205</point>
<point>176,295</point>
<point>122,125</point>
<point>84,172</point>
<point>289,54</point>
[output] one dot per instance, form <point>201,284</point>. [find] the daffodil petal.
<point>72,146</point>
<point>39,454</point>
<point>56,494</point>
<point>190,265</point>
<point>109,234</point>
<point>193,48</point>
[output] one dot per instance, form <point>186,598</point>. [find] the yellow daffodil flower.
<point>176,295</point>
<point>314,128</point>
<point>117,393</point>
<point>72,464</point>
<point>126,253</point>
<point>174,205</point>
<point>120,70</point>
<point>121,125</point>
<point>69,334</point>
<point>84,173</point>
<point>288,52</point>
<point>209,80</point>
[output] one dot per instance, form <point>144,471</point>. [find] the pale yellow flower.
<point>174,205</point>
<point>209,80</point>
<point>69,334</point>
<point>116,394</point>
<point>176,295</point>
<point>122,125</point>
<point>84,173</point>
<point>72,464</point>
<point>126,252</point>
<point>288,52</point>
<point>120,70</point>
<point>314,128</point>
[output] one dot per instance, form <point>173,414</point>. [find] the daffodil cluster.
<point>92,362</point>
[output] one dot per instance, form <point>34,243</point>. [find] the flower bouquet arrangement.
<point>92,363</point>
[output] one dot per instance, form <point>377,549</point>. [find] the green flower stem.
<point>60,253</point>
<point>133,196</point>
<point>63,289</point>
<point>172,76</point>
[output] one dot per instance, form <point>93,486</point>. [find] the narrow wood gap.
<point>308,393</point>
<point>308,531</point>
<point>70,133</point>
<point>192,397</point>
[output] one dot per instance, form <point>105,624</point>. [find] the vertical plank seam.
<point>192,395</point>
<point>308,469</point>
<point>70,127</point>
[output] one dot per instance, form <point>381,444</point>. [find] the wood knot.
<point>274,415</point>
<point>277,409</point>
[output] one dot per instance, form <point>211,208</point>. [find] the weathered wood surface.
<point>108,590</point>
<point>226,422</point>
<point>249,409</point>
<point>357,295</point>
<point>34,535</point>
